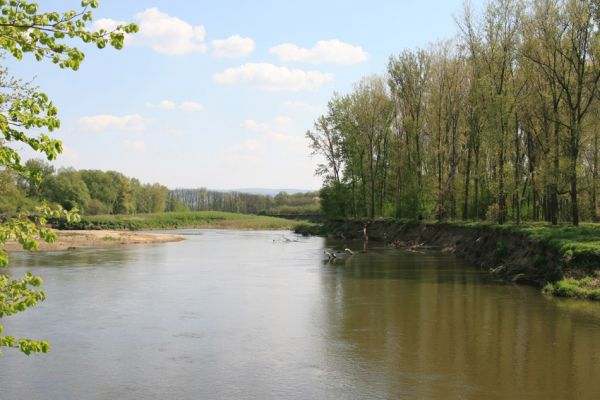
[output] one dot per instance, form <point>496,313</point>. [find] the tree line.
<point>501,122</point>
<point>246,203</point>
<point>95,192</point>
<point>92,192</point>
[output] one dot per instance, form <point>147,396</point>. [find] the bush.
<point>493,213</point>
<point>335,200</point>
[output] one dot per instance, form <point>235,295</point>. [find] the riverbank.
<point>564,260</point>
<point>175,220</point>
<point>70,240</point>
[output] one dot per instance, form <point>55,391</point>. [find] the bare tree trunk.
<point>517,205</point>
<point>465,213</point>
<point>476,184</point>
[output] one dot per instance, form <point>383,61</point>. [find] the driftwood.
<point>414,247</point>
<point>332,255</point>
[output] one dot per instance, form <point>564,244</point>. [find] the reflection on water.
<point>437,330</point>
<point>245,315</point>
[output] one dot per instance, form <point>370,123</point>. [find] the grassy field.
<point>171,220</point>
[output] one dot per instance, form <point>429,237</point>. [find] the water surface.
<point>247,315</point>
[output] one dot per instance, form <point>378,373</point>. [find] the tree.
<point>39,170</point>
<point>67,189</point>
<point>571,37</point>
<point>409,81</point>
<point>504,120</point>
<point>24,29</point>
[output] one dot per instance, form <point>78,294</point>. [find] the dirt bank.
<point>68,240</point>
<point>507,255</point>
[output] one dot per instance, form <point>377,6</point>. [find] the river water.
<point>248,315</point>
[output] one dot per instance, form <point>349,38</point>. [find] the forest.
<point>91,192</point>
<point>247,203</point>
<point>95,192</point>
<point>499,123</point>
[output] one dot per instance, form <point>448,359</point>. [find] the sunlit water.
<point>246,315</point>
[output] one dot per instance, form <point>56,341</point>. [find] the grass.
<point>310,229</point>
<point>585,288</point>
<point>577,244</point>
<point>171,220</point>
<point>70,234</point>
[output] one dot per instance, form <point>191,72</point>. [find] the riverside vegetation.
<point>562,259</point>
<point>499,124</point>
<point>173,220</point>
<point>95,192</point>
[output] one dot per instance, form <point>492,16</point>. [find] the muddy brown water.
<point>247,315</point>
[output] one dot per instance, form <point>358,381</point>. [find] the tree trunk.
<point>465,213</point>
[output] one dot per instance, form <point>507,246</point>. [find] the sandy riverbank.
<point>69,240</point>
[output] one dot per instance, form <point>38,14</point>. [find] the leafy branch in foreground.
<point>52,36</point>
<point>24,29</point>
<point>19,294</point>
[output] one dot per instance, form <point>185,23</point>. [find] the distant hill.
<point>270,192</point>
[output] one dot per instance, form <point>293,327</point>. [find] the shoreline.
<point>79,239</point>
<point>175,220</point>
<point>557,263</point>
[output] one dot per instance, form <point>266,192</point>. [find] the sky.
<point>219,94</point>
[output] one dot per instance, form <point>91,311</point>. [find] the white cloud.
<point>273,78</point>
<point>275,142</point>
<point>107,24</point>
<point>252,144</point>
<point>163,105</point>
<point>188,106</point>
<point>162,33</point>
<point>324,51</point>
<point>69,153</point>
<point>279,130</point>
<point>299,106</point>
<point>106,122</point>
<point>191,106</point>
<point>233,47</point>
<point>135,145</point>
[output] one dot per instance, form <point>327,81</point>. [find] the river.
<point>249,315</point>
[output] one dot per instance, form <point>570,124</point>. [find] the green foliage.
<point>67,189</point>
<point>312,209</point>
<point>246,203</point>
<point>310,229</point>
<point>499,123</point>
<point>52,36</point>
<point>18,295</point>
<point>172,220</point>
<point>13,199</point>
<point>586,288</point>
<point>174,204</point>
<point>336,200</point>
<point>48,35</point>
<point>493,213</point>
<point>96,192</point>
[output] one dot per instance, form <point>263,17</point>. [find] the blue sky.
<point>220,94</point>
